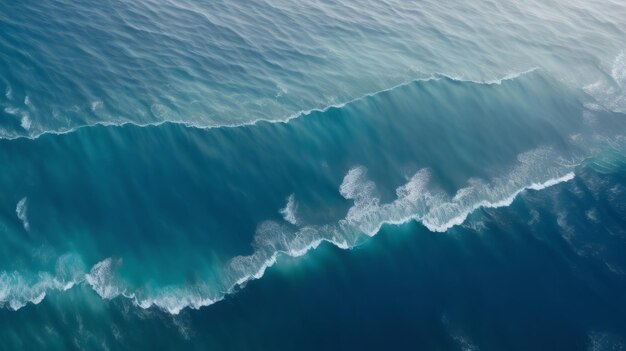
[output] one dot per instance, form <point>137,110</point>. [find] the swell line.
<point>288,119</point>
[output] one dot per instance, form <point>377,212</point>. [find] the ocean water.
<point>269,175</point>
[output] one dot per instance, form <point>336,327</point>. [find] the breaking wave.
<point>415,201</point>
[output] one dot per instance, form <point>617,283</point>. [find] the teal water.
<point>270,175</point>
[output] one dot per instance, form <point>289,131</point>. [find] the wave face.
<point>443,175</point>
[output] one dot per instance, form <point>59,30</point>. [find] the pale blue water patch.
<point>216,63</point>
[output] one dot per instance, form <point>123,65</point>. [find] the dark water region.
<point>545,273</point>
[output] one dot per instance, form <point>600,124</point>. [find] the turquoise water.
<point>272,175</point>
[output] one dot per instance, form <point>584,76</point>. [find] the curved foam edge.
<point>296,115</point>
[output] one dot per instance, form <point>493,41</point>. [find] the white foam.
<point>21,209</point>
<point>18,289</point>
<point>95,105</point>
<point>498,81</point>
<point>611,93</point>
<point>416,200</point>
<point>25,122</point>
<point>289,211</point>
<point>12,110</point>
<point>175,299</point>
<point>618,71</point>
<point>551,182</point>
<point>102,280</point>
<point>362,191</point>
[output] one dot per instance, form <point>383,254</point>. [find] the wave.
<point>415,202</point>
<point>418,199</point>
<point>26,122</point>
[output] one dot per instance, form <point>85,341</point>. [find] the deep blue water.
<point>267,175</point>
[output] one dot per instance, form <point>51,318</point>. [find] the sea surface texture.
<point>313,175</point>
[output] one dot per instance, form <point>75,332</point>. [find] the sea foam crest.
<point>18,289</point>
<point>357,187</point>
<point>416,200</point>
<point>174,299</point>
<point>102,280</point>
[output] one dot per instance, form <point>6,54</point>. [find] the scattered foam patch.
<point>463,341</point>
<point>21,210</point>
<point>618,72</point>
<point>25,122</point>
<point>164,113</point>
<point>289,211</point>
<point>611,93</point>
<point>599,341</point>
<point>11,110</point>
<point>95,105</point>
